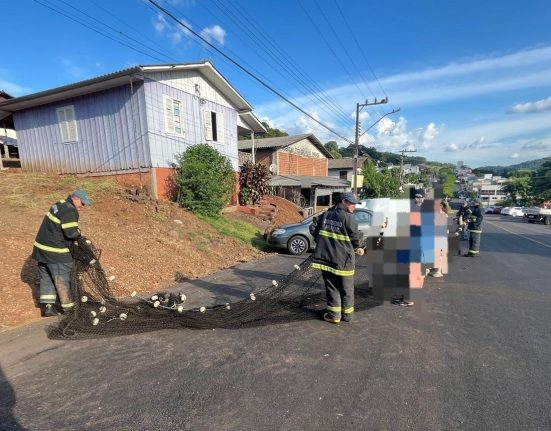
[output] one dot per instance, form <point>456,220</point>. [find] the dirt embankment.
<point>144,245</point>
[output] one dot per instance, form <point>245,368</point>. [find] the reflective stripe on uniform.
<point>341,272</point>
<point>334,235</point>
<point>44,297</point>
<point>69,305</point>
<point>335,309</point>
<point>68,225</point>
<point>475,231</point>
<point>51,249</point>
<point>474,251</point>
<point>53,218</point>
<point>349,310</point>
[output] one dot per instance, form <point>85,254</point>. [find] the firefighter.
<point>475,229</point>
<point>337,241</point>
<point>51,250</point>
<point>462,219</point>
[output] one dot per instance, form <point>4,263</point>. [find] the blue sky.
<point>472,79</point>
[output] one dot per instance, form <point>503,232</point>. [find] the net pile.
<point>299,296</point>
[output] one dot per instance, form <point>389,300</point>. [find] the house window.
<point>174,122</point>
<point>214,126</point>
<point>343,175</point>
<point>67,124</point>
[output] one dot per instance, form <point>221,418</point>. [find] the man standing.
<point>337,241</point>
<point>463,218</point>
<point>51,250</point>
<point>475,229</point>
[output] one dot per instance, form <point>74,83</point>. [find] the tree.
<point>206,180</point>
<point>541,182</point>
<point>384,184</point>
<point>520,190</point>
<point>333,148</point>
<point>448,185</point>
<point>270,133</point>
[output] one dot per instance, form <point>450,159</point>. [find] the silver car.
<point>296,237</point>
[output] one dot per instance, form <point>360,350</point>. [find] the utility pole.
<point>405,150</point>
<point>357,138</point>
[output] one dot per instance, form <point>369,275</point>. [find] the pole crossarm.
<point>359,107</point>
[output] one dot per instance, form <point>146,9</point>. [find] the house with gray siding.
<point>134,121</point>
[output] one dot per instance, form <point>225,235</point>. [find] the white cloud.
<point>14,89</point>
<point>73,69</point>
<point>531,107</point>
<point>514,156</point>
<point>174,32</point>
<point>536,145</point>
<point>214,33</point>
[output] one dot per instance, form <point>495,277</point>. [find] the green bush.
<point>206,180</point>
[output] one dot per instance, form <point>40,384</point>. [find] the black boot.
<point>49,311</point>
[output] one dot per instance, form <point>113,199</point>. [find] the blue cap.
<point>349,197</point>
<point>81,194</point>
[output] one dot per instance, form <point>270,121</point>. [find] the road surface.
<point>474,353</point>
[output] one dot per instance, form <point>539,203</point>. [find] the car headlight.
<point>278,232</point>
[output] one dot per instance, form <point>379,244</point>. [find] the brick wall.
<point>293,164</point>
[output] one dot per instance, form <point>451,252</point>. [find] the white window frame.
<point>67,124</point>
<point>173,119</point>
<point>209,130</point>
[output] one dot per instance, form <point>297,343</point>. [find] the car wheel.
<point>297,245</point>
<point>547,221</point>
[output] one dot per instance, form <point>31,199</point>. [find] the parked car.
<point>513,211</point>
<point>489,210</point>
<point>505,210</point>
<point>497,210</point>
<point>296,237</point>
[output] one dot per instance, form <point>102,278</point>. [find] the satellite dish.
<point>273,168</point>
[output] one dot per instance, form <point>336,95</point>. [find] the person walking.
<point>51,250</point>
<point>475,229</point>
<point>337,242</point>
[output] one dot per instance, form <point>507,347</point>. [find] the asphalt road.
<point>474,353</point>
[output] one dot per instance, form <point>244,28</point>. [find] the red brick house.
<point>299,166</point>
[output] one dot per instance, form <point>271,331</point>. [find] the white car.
<point>514,211</point>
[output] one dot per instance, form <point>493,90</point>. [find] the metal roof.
<point>347,162</point>
<point>281,142</point>
<point>124,76</point>
<point>306,182</point>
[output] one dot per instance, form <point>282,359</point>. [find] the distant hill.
<point>531,165</point>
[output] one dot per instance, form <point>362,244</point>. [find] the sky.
<point>471,79</point>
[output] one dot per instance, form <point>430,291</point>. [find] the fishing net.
<point>298,296</point>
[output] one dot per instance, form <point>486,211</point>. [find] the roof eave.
<point>67,91</point>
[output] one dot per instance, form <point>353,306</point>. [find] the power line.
<point>94,29</point>
<point>338,39</point>
<point>283,61</point>
<point>361,49</point>
<point>264,84</point>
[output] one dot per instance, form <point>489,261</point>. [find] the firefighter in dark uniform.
<point>337,241</point>
<point>52,251</point>
<point>463,218</point>
<point>475,229</point>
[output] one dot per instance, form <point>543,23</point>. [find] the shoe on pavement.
<point>346,318</point>
<point>49,311</point>
<point>331,319</point>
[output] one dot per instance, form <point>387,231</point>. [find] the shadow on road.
<point>7,403</point>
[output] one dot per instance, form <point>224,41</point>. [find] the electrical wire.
<point>252,75</point>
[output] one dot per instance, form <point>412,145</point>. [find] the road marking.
<point>522,236</point>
